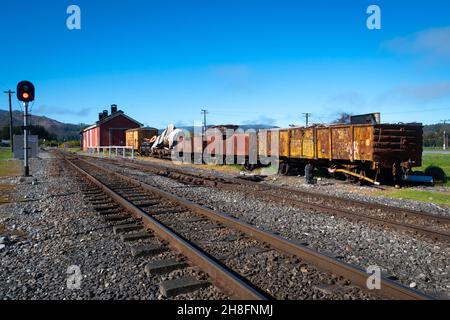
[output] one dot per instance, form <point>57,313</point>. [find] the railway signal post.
<point>25,93</point>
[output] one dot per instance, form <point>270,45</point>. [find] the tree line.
<point>39,131</point>
<point>434,139</point>
<point>433,135</point>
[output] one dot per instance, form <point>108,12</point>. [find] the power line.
<point>11,143</point>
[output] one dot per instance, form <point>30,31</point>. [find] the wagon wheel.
<point>286,169</point>
<point>281,168</point>
<point>248,166</point>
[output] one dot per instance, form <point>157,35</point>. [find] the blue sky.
<point>244,61</point>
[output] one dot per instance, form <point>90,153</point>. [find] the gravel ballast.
<point>326,186</point>
<point>416,262</point>
<point>49,232</point>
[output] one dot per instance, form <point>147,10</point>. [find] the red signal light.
<point>25,91</point>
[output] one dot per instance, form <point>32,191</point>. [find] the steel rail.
<point>434,234</point>
<point>403,211</point>
<point>424,215</point>
<point>222,277</point>
<point>388,289</point>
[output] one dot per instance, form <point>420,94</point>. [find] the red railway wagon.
<point>216,146</point>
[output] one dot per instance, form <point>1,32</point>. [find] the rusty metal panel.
<point>363,142</point>
<point>342,146</point>
<point>131,139</point>
<point>323,143</point>
<point>296,143</point>
<point>238,143</point>
<point>135,137</point>
<point>267,147</point>
<point>398,144</point>
<point>262,142</point>
<point>284,143</point>
<point>308,143</point>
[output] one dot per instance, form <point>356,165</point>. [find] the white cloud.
<point>261,120</point>
<point>422,93</point>
<point>432,43</point>
<point>58,111</point>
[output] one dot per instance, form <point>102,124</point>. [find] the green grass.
<point>236,167</point>
<point>438,160</point>
<point>419,195</point>
<point>75,150</point>
<point>432,148</point>
<point>5,153</point>
<point>442,198</point>
<point>8,166</point>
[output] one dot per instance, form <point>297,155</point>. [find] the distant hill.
<point>433,134</point>
<point>243,127</point>
<point>71,131</point>
<point>61,130</point>
<point>431,128</point>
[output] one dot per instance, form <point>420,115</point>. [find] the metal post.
<point>123,152</point>
<point>445,140</point>
<point>11,124</point>
<point>307,115</point>
<point>11,143</point>
<point>204,112</point>
<point>26,170</point>
<point>132,153</point>
<point>445,144</point>
<point>117,152</point>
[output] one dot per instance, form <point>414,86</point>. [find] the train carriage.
<point>136,137</point>
<point>356,149</point>
<point>369,152</point>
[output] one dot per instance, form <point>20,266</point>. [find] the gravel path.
<point>48,227</point>
<point>419,263</point>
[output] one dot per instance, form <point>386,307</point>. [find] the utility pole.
<point>307,115</point>
<point>204,112</point>
<point>445,144</point>
<point>11,143</point>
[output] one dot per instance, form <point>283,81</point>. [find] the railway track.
<point>241,260</point>
<point>434,226</point>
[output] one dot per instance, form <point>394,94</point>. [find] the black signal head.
<point>25,91</point>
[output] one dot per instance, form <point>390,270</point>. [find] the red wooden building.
<point>109,130</point>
